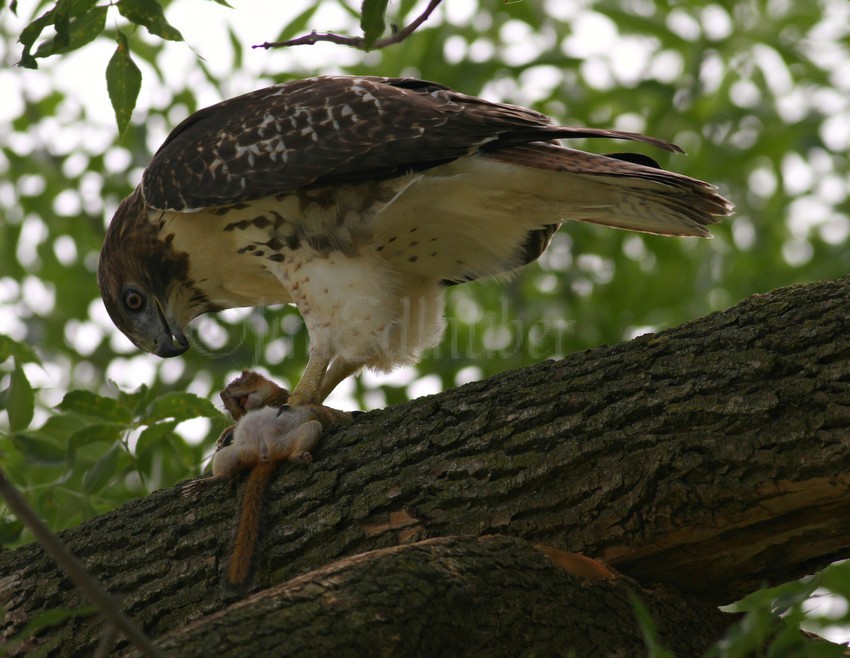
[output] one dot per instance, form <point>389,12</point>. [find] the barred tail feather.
<point>669,209</point>
<point>613,191</point>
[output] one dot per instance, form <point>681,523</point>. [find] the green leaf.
<point>179,406</point>
<point>41,451</point>
<point>238,50</point>
<point>61,23</point>
<point>836,578</point>
<point>102,432</point>
<point>58,16</point>
<point>149,13</point>
<point>28,36</point>
<point>81,31</point>
<point>372,20</point>
<point>23,353</point>
<point>92,404</point>
<point>20,400</point>
<point>49,618</point>
<point>104,469</point>
<point>59,429</point>
<point>152,435</point>
<point>136,400</point>
<point>10,531</point>
<point>224,3</point>
<point>123,81</point>
<point>150,442</point>
<point>298,24</point>
<point>648,629</point>
<point>351,11</point>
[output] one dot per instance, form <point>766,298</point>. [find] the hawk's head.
<point>143,281</point>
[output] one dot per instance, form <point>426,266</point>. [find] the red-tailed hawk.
<point>359,199</point>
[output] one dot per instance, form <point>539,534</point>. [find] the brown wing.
<point>334,129</point>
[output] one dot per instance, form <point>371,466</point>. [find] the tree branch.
<point>712,458</point>
<point>478,592</point>
<point>355,42</point>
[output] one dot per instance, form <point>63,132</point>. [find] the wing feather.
<point>332,130</point>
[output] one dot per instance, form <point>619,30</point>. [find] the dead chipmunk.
<point>267,431</point>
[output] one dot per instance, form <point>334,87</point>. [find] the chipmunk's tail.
<point>248,528</point>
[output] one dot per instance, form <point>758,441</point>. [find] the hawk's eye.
<point>133,300</point>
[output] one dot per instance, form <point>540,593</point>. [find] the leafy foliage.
<point>772,618</point>
<point>76,23</point>
<point>91,452</point>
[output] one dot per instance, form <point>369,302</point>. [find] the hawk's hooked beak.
<point>171,332</point>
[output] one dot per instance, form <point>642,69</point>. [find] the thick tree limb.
<point>712,457</point>
<point>448,597</point>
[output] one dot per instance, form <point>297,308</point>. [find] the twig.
<point>355,42</point>
<point>75,570</point>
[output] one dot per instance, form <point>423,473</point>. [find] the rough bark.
<point>488,597</point>
<point>712,458</point>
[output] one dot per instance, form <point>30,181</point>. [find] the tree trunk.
<point>711,459</point>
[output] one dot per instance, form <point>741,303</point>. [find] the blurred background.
<point>756,91</point>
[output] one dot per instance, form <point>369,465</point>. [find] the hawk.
<point>359,200</point>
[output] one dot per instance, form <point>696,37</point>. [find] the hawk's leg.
<point>309,389</point>
<point>338,370</point>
